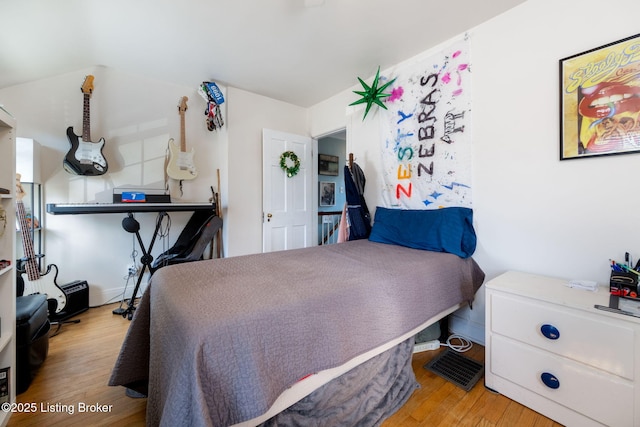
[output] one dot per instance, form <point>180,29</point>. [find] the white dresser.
<point>549,349</point>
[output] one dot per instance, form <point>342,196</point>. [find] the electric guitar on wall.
<point>34,282</point>
<point>181,164</point>
<point>85,157</point>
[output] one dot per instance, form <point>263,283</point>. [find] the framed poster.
<point>327,193</point>
<point>328,165</point>
<point>600,101</point>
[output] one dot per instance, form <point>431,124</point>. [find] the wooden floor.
<point>440,403</point>
<point>81,357</point>
<point>76,372</point>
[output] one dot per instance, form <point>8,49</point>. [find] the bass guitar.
<point>34,282</point>
<point>85,157</point>
<point>181,164</point>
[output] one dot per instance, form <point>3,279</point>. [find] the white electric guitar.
<point>34,282</point>
<point>181,164</point>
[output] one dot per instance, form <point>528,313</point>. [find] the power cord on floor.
<point>455,342</point>
<point>131,274</point>
<point>458,343</point>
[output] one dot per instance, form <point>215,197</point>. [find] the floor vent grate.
<point>458,369</point>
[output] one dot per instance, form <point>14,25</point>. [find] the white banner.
<point>426,133</point>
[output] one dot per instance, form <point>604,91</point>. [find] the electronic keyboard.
<point>98,208</point>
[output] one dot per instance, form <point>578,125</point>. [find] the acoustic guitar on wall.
<point>85,156</point>
<point>180,165</point>
<point>34,281</point>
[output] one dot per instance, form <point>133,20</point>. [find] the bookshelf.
<point>7,253</point>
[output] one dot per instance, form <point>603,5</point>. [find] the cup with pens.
<point>624,278</point>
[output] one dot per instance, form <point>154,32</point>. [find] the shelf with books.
<point>7,253</point>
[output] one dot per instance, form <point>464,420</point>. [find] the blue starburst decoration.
<point>372,94</point>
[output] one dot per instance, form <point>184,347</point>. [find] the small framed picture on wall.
<point>328,165</point>
<point>327,193</point>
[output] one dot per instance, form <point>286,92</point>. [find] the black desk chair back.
<point>193,240</point>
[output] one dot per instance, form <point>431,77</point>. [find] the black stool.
<point>32,338</point>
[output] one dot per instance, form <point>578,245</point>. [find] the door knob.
<point>269,217</point>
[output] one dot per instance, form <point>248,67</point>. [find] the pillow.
<point>439,230</point>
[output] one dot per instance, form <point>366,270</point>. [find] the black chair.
<point>192,241</point>
<point>194,238</point>
<point>32,337</point>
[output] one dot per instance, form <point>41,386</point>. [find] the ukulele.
<point>181,164</point>
<point>85,157</point>
<point>34,282</point>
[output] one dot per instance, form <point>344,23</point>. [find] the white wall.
<point>248,115</point>
<point>532,212</point>
<point>136,116</point>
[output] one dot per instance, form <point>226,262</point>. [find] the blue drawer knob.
<point>550,380</point>
<point>550,331</point>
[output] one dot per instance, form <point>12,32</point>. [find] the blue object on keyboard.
<point>133,196</point>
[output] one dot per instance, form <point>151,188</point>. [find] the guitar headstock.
<point>182,107</point>
<point>19,190</point>
<point>87,86</point>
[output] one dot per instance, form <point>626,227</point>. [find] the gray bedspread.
<point>364,396</point>
<point>218,341</point>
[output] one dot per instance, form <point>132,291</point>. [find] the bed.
<point>270,338</point>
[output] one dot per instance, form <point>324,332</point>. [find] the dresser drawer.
<point>593,340</point>
<point>605,398</point>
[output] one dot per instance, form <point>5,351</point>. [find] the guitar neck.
<point>86,116</point>
<point>183,141</point>
<point>31,265</point>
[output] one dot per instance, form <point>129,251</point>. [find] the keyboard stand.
<point>132,226</point>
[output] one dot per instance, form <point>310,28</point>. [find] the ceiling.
<point>297,51</point>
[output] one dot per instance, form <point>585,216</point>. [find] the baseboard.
<point>99,296</point>
<point>472,330</point>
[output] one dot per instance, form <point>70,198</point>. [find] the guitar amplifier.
<point>77,294</point>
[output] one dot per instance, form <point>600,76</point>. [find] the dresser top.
<point>555,291</point>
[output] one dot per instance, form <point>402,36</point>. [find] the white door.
<point>288,203</point>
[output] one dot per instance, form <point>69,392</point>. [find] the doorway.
<point>332,158</point>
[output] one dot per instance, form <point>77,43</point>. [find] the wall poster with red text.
<point>426,132</point>
<point>600,101</point>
